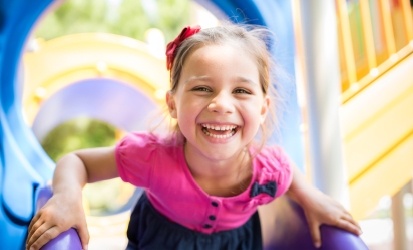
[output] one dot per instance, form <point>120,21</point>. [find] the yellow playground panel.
<point>378,137</point>
<point>54,64</point>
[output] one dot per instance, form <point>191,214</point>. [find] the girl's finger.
<point>83,235</point>
<point>315,234</point>
<point>350,226</point>
<point>42,235</point>
<point>350,219</point>
<point>33,221</point>
<point>36,228</point>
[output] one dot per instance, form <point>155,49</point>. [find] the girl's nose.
<point>221,104</point>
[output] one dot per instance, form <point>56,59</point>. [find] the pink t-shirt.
<point>146,161</point>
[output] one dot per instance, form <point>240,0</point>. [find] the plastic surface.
<point>290,231</point>
<point>67,240</point>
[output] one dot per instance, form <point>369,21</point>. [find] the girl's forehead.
<point>219,52</point>
<point>219,63</point>
<point>222,59</point>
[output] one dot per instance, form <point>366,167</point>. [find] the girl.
<point>204,182</point>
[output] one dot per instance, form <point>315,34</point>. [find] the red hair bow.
<point>171,47</point>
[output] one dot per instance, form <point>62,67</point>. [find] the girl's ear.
<point>264,110</point>
<point>171,104</point>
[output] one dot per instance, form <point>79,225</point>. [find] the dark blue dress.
<point>149,230</point>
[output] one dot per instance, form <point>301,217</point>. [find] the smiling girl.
<point>204,182</point>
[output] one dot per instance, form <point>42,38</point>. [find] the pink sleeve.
<point>135,155</point>
<point>275,166</point>
<point>285,171</point>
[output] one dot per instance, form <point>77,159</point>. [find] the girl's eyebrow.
<point>247,80</point>
<point>197,78</point>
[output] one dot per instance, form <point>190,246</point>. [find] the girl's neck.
<point>223,178</point>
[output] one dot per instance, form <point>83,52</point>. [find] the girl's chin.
<point>221,148</point>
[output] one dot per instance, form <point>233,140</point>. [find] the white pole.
<point>319,72</point>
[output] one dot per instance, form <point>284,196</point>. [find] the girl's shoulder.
<point>273,155</point>
<point>141,156</point>
<point>145,146</point>
<point>142,139</point>
<point>272,167</point>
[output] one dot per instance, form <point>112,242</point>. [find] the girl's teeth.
<point>218,128</point>
<point>219,136</point>
<point>207,129</point>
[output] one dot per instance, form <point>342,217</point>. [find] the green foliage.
<point>123,17</point>
<point>77,134</point>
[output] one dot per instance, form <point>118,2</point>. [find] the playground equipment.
<point>128,83</point>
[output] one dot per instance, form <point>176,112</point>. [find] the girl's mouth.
<point>219,131</point>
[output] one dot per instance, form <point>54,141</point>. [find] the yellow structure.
<point>377,126</point>
<point>376,41</point>
<point>51,65</point>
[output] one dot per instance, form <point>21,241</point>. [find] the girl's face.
<point>219,104</point>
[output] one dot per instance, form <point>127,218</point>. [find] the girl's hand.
<point>64,209</point>
<point>319,208</point>
<point>60,213</point>
<point>322,209</point>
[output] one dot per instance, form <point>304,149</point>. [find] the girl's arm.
<point>65,209</point>
<point>319,208</point>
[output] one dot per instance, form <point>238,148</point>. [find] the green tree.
<point>77,134</point>
<point>123,17</point>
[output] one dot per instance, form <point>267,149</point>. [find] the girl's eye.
<point>202,89</point>
<point>242,91</point>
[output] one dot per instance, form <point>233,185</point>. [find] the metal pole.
<point>399,219</point>
<point>319,74</point>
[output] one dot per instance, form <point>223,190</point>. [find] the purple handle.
<point>291,231</point>
<point>68,240</point>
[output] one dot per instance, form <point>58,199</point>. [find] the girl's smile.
<point>219,131</point>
